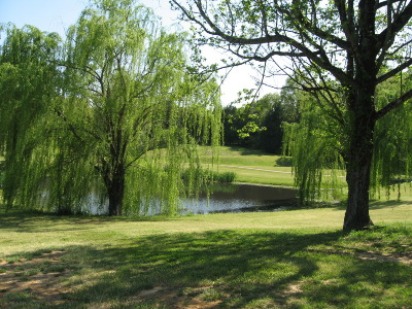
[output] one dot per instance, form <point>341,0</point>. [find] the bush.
<point>210,176</point>
<point>225,177</point>
<point>284,161</point>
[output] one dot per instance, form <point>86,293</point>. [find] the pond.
<point>227,198</point>
<point>241,197</point>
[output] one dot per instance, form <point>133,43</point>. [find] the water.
<point>241,197</point>
<point>227,198</point>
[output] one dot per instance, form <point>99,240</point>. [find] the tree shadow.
<point>25,221</point>
<point>388,204</point>
<point>219,269</point>
<point>176,270</point>
<point>22,221</point>
<point>374,204</point>
<point>248,151</point>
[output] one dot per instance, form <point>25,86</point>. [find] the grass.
<point>290,259</point>
<point>251,166</point>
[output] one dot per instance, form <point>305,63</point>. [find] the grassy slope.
<point>251,166</point>
<point>260,168</point>
<point>247,260</point>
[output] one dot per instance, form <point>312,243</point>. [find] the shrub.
<point>284,161</point>
<point>209,176</point>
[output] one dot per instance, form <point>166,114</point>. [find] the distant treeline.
<point>259,124</point>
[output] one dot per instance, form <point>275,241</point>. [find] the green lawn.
<point>250,166</point>
<point>290,259</point>
<point>287,259</point>
<point>256,167</point>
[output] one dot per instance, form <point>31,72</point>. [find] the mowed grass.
<point>250,166</point>
<point>289,259</point>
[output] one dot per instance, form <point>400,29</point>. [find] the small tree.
<point>358,44</point>
<point>127,93</point>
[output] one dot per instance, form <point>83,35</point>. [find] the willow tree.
<point>358,44</point>
<point>127,94</point>
<point>28,84</point>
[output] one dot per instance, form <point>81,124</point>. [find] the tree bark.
<point>116,194</point>
<point>358,180</point>
<point>360,155</point>
<point>114,180</point>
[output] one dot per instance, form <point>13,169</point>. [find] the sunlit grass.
<point>250,166</point>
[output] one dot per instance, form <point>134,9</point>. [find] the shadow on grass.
<point>247,151</point>
<point>388,204</point>
<point>220,269</point>
<point>28,221</point>
<point>176,271</point>
<point>24,221</point>
<point>374,204</point>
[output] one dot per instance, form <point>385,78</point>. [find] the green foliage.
<point>258,125</point>
<point>318,144</point>
<point>393,153</point>
<point>202,180</point>
<point>28,85</point>
<point>315,145</point>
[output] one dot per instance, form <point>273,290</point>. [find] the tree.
<point>123,120</point>
<point>129,85</point>
<point>28,84</point>
<point>357,44</point>
<point>252,127</point>
<point>270,139</point>
<point>258,124</point>
<point>315,143</point>
<point>231,124</point>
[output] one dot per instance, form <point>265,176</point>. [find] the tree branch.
<point>395,71</point>
<point>397,25</point>
<point>318,57</point>
<point>394,104</point>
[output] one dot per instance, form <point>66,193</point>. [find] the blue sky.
<point>47,15</point>
<point>58,15</point>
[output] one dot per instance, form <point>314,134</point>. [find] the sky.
<point>58,15</point>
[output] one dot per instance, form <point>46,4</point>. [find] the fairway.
<point>249,166</point>
<point>288,259</point>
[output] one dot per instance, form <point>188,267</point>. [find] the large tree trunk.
<point>360,155</point>
<point>358,180</point>
<point>362,119</point>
